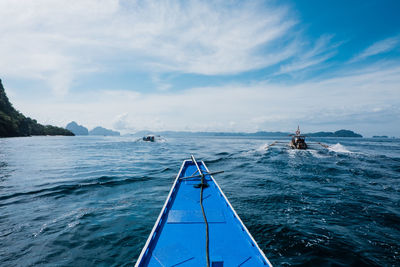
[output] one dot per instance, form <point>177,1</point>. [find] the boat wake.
<point>339,148</point>
<point>292,152</point>
<point>106,193</point>
<point>263,147</point>
<point>316,153</point>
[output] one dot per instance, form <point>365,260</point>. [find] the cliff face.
<point>14,123</point>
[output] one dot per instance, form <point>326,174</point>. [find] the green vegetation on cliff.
<point>14,123</point>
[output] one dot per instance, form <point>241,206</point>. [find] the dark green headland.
<point>13,123</point>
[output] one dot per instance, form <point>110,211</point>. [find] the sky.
<point>240,66</point>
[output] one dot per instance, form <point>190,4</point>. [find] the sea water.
<point>92,201</point>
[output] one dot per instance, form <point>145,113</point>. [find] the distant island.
<point>82,130</point>
<point>340,133</point>
<point>13,123</point>
<point>380,136</point>
<point>77,129</point>
<point>103,131</point>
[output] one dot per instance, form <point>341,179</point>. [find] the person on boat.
<point>298,130</point>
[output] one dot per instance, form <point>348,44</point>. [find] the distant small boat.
<point>198,226</point>
<point>149,138</point>
<point>298,141</point>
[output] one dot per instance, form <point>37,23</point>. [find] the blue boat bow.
<point>184,235</point>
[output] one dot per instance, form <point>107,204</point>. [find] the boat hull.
<point>179,234</point>
<point>298,142</point>
<point>298,146</point>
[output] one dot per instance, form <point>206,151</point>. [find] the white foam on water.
<point>292,152</point>
<point>261,150</point>
<point>315,153</point>
<point>73,216</point>
<point>73,224</point>
<point>263,147</point>
<point>44,226</point>
<point>339,148</point>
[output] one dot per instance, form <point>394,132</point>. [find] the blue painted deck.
<point>179,236</point>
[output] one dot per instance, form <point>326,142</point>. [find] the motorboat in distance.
<point>149,138</point>
<point>298,141</point>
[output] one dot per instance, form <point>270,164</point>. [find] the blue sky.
<point>205,65</point>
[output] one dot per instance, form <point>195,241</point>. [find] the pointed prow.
<point>298,130</point>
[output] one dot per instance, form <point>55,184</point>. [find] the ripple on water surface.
<point>73,201</point>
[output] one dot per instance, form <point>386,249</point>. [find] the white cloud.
<point>321,51</point>
<point>121,122</point>
<point>59,41</point>
<point>380,47</point>
<point>329,104</point>
<point>159,83</point>
<point>56,41</point>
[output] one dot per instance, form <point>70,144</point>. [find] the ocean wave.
<point>317,153</point>
<point>78,188</point>
<point>339,148</point>
<point>99,200</point>
<point>217,160</point>
<point>263,147</point>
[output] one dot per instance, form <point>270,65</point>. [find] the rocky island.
<point>82,130</point>
<point>104,132</point>
<point>77,129</point>
<point>13,123</point>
